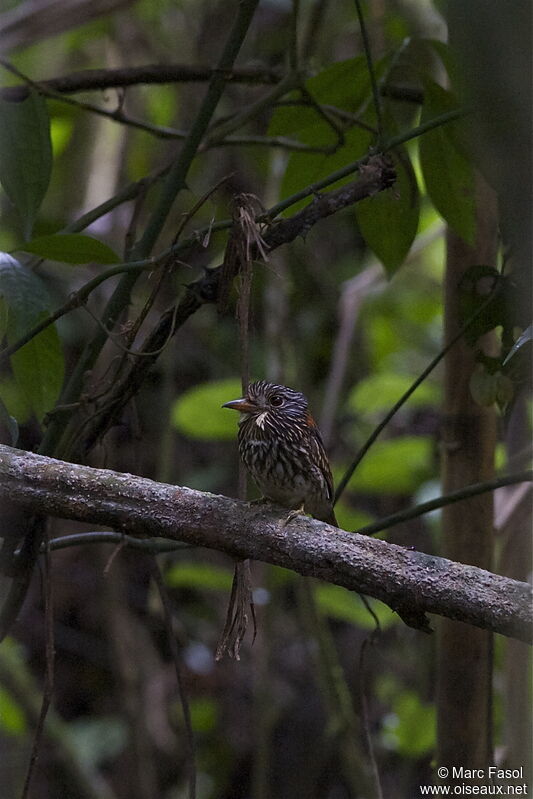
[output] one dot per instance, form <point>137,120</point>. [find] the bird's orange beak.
<point>242,405</point>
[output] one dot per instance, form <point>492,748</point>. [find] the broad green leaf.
<point>72,248</point>
<point>344,605</point>
<point>194,574</point>
<point>198,412</point>
<point>345,85</point>
<point>448,175</point>
<point>378,393</point>
<point>9,423</point>
<point>291,120</point>
<point>388,221</point>
<point>397,466</point>
<point>306,168</point>
<point>25,155</point>
<point>23,291</point>
<point>38,368</point>
<point>15,400</point>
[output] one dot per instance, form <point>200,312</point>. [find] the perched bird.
<point>282,449</point>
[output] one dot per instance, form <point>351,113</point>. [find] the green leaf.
<point>344,605</point>
<point>388,221</point>
<point>378,393</point>
<point>10,423</point>
<point>306,168</point>
<point>345,84</point>
<point>397,466</point>
<point>14,400</point>
<point>38,368</point>
<point>72,248</point>
<point>448,175</point>
<point>198,412</point>
<point>289,120</point>
<point>23,291</point>
<point>25,155</point>
<point>194,574</point>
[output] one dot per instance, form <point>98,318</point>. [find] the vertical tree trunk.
<point>469,436</point>
<point>515,561</point>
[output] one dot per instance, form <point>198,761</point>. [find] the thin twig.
<point>176,657</point>
<point>117,115</point>
<point>365,715</point>
<point>313,26</point>
<point>164,132</point>
<point>334,688</point>
<point>326,116</point>
<point>294,58</point>
<point>441,502</point>
<point>125,349</point>
<point>97,537</point>
<point>371,71</point>
<point>99,79</point>
<point>244,239</point>
<point>49,674</point>
<point>173,183</point>
<point>76,300</point>
<point>79,297</point>
<point>131,232</point>
<point>127,193</point>
<point>279,142</point>
<point>405,396</point>
<point>197,205</point>
<point>353,293</point>
<point>219,131</point>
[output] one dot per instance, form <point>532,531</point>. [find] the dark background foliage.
<point>350,314</point>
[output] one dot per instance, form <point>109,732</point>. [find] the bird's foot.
<point>259,501</point>
<point>292,515</point>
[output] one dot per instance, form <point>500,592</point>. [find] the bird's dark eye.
<point>276,401</point>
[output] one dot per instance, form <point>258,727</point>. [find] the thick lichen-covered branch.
<point>413,583</point>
